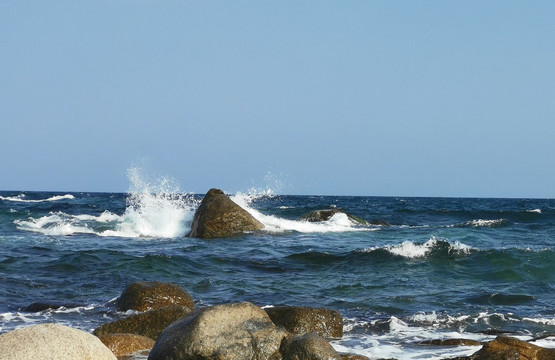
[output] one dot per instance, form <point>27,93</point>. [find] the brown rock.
<point>123,344</point>
<point>224,332</point>
<point>345,356</point>
<point>508,348</point>
<point>149,295</point>
<point>218,217</point>
<point>303,320</point>
<point>307,347</point>
<point>149,324</point>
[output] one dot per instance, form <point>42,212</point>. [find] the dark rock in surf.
<point>303,320</point>
<point>307,347</point>
<point>47,305</point>
<point>149,295</point>
<point>326,214</point>
<point>219,217</point>
<point>149,324</point>
<point>224,332</point>
<point>450,342</point>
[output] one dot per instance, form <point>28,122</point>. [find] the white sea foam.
<point>21,198</point>
<point>273,224</point>
<point>398,339</point>
<point>482,223</point>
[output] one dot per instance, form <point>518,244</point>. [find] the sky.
<point>370,98</point>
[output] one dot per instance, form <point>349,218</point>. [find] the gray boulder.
<point>219,217</point>
<point>303,320</point>
<point>149,295</point>
<point>52,341</point>
<point>224,332</point>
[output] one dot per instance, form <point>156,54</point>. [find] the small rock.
<point>303,320</point>
<point>307,347</point>
<point>149,324</point>
<point>124,344</point>
<point>149,295</point>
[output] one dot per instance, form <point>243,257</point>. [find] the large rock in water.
<point>52,341</point>
<point>218,216</point>
<point>224,332</point>
<point>300,320</point>
<point>149,295</point>
<point>124,344</point>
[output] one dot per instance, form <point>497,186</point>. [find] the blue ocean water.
<point>444,268</point>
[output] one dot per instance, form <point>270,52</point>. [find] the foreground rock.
<point>303,320</point>
<point>149,295</point>
<point>508,348</point>
<point>224,332</point>
<point>124,344</point>
<point>219,217</point>
<point>149,324</point>
<point>307,347</point>
<point>52,341</point>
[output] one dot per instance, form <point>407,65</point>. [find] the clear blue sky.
<point>422,98</point>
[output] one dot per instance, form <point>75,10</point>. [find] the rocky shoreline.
<point>166,325</point>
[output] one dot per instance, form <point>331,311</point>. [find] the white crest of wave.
<point>56,223</point>
<point>273,224</point>
<point>537,211</point>
<point>485,223</point>
<point>154,209</point>
<point>411,250</point>
<point>21,198</point>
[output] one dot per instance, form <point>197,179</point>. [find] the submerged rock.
<point>149,324</point>
<point>224,332</point>
<point>303,320</point>
<point>46,305</point>
<point>52,341</point>
<point>218,217</point>
<point>149,295</point>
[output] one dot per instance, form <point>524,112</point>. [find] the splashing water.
<point>155,209</point>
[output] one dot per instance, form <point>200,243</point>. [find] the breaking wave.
<point>21,198</point>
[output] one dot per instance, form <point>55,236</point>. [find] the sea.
<point>431,268</point>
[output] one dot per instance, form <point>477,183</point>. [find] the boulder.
<point>307,347</point>
<point>124,344</point>
<point>149,324</point>
<point>303,320</point>
<point>218,217</point>
<point>509,348</point>
<point>52,341</point>
<point>224,332</point>
<point>149,295</point>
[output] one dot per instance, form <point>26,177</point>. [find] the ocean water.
<point>444,268</point>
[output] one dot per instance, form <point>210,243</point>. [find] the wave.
<point>484,223</point>
<point>21,198</point>
<point>153,210</point>
<point>411,250</point>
